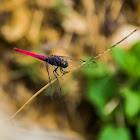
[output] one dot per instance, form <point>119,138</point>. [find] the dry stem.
<point>46,86</point>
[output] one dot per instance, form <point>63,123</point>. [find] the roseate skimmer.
<point>58,61</point>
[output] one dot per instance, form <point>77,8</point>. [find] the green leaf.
<point>136,85</point>
<point>101,90</point>
<point>138,129</point>
<point>113,133</point>
<point>127,61</point>
<point>136,50</point>
<point>132,102</point>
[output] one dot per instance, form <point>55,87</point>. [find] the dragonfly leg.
<point>62,71</point>
<point>55,72</point>
<point>47,66</point>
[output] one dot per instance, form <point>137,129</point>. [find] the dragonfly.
<point>61,62</point>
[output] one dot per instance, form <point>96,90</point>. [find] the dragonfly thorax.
<point>57,61</point>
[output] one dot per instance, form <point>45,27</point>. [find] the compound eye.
<point>65,64</point>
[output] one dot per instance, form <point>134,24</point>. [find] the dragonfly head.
<point>64,64</point>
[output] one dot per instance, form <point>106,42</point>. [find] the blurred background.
<point>100,103</point>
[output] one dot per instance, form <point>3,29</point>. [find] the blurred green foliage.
<point>105,85</point>
<point>116,133</point>
<point>72,28</point>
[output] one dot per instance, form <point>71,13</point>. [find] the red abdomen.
<point>41,57</point>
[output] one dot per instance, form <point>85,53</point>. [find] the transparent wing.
<point>73,62</point>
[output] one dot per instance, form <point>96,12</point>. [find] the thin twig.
<point>32,97</point>
<point>46,86</point>
<point>106,50</point>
